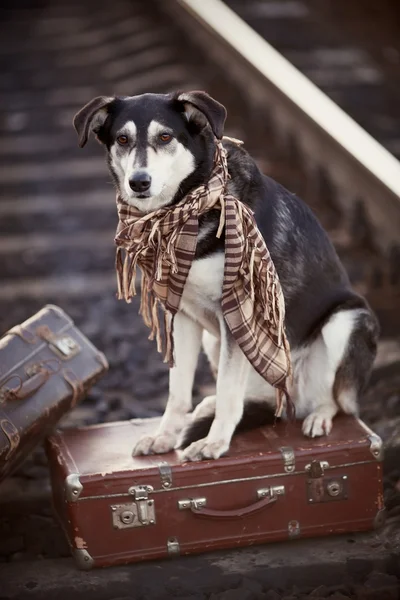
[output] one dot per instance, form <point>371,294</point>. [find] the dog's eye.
<point>165,137</point>
<point>122,140</point>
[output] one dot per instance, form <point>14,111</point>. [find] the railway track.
<point>57,209</point>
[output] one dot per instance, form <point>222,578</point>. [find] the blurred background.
<point>57,203</point>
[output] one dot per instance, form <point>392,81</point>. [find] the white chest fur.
<point>203,290</point>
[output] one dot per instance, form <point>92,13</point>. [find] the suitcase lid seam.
<point>223,482</point>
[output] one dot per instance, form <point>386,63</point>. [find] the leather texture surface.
<point>46,366</point>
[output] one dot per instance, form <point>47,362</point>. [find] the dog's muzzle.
<point>140,182</point>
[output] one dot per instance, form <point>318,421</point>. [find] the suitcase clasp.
<point>274,490</point>
<point>324,489</point>
<point>62,344</point>
<point>317,468</point>
<point>289,459</point>
<point>196,503</point>
<point>139,513</point>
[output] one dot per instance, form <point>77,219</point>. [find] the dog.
<point>159,148</point>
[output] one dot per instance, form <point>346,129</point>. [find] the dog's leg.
<point>233,371</point>
<point>319,386</point>
<point>187,341</point>
<point>206,408</point>
<point>354,370</point>
<point>257,390</point>
<point>212,349</point>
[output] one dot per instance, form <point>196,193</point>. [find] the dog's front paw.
<point>204,449</point>
<point>317,423</point>
<point>157,444</point>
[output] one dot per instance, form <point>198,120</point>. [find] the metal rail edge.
<point>363,172</point>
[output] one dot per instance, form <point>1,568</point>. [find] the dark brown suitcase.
<point>46,366</point>
<point>274,484</point>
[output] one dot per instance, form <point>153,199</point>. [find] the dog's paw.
<point>157,444</point>
<point>317,423</point>
<point>204,449</point>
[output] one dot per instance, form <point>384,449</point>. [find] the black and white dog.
<point>159,148</point>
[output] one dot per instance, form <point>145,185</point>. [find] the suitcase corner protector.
<point>83,559</point>
<point>73,487</point>
<point>55,308</point>
<point>102,359</point>
<point>376,446</point>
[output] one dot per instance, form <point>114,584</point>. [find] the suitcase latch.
<point>289,459</point>
<point>139,513</point>
<point>62,344</point>
<point>317,468</point>
<point>65,346</point>
<point>324,489</point>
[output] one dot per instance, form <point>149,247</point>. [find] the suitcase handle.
<point>30,386</point>
<point>237,513</point>
<point>26,389</point>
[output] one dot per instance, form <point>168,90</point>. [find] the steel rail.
<point>362,170</point>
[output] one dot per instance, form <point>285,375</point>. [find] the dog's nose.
<point>140,182</point>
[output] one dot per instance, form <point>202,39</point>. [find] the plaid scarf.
<point>163,244</point>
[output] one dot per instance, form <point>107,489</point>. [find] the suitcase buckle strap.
<point>76,384</point>
<point>62,344</point>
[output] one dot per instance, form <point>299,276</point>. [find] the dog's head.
<point>159,146</point>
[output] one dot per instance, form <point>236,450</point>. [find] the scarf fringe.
<point>222,217</point>
<point>126,275</point>
<point>283,400</point>
<point>149,309</point>
<point>169,335</point>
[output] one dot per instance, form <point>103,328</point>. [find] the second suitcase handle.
<point>29,387</point>
<point>198,506</point>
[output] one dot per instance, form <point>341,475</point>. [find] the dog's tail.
<point>255,414</point>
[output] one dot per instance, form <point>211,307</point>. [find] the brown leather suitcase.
<point>274,484</point>
<point>46,366</point>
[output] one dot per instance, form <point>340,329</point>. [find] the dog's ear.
<point>91,117</point>
<point>200,107</point>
